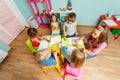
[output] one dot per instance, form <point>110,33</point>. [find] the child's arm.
<point>37,40</point>
<point>75,27</point>
<point>99,48</point>
<point>51,25</point>
<point>46,38</point>
<point>82,37</point>
<point>85,36</point>
<point>60,27</point>
<point>84,50</point>
<point>64,30</point>
<point>40,38</point>
<point>96,50</point>
<point>88,52</point>
<point>76,30</point>
<point>80,45</point>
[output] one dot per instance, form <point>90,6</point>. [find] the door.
<point>10,25</point>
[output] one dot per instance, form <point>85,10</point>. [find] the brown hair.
<point>52,16</point>
<point>77,58</point>
<point>71,17</point>
<point>32,32</point>
<point>102,38</point>
<point>56,20</point>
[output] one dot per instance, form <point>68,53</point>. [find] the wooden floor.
<point>21,65</point>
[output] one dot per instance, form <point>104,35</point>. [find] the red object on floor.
<point>103,17</point>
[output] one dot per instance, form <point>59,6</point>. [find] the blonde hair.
<point>43,54</point>
<point>77,58</point>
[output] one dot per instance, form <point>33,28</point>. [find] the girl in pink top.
<point>97,40</point>
<point>73,68</point>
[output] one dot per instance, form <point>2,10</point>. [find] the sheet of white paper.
<point>117,18</point>
<point>43,45</point>
<point>72,40</point>
<point>70,49</point>
<point>56,39</point>
<point>110,22</point>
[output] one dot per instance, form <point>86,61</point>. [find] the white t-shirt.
<point>70,28</point>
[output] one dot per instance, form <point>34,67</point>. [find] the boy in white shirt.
<point>70,25</point>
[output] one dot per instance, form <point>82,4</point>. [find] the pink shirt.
<point>96,50</point>
<point>76,72</point>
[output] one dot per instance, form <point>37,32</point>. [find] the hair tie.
<point>100,28</point>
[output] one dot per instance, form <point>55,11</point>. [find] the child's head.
<point>99,34</point>
<point>71,18</point>
<point>43,54</point>
<point>32,32</point>
<point>53,18</point>
<point>77,58</point>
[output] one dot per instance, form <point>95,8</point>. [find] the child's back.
<point>45,57</point>
<point>73,71</point>
<point>74,68</point>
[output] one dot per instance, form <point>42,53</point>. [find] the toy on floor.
<point>116,32</point>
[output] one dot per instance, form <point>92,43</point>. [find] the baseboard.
<point>85,26</point>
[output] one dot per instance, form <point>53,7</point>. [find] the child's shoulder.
<point>75,22</point>
<point>66,23</point>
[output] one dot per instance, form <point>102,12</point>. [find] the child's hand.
<point>76,33</point>
<point>41,37</point>
<point>46,38</point>
<point>79,44</point>
<point>65,34</point>
<point>84,50</point>
<point>79,47</point>
<point>55,52</point>
<point>82,37</point>
<point>60,45</point>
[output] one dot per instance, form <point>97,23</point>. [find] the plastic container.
<point>32,22</point>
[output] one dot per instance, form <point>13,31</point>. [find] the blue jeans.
<point>90,56</point>
<point>74,35</point>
